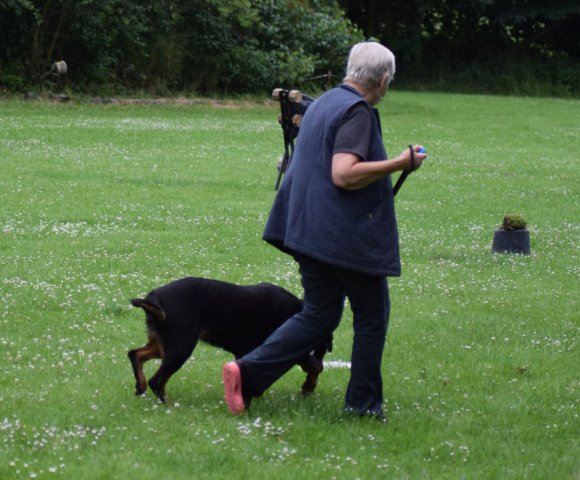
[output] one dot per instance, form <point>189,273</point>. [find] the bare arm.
<point>350,173</point>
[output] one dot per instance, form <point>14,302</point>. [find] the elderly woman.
<point>335,215</point>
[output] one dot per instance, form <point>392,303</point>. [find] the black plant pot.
<point>511,241</point>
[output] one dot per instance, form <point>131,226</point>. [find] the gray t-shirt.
<point>354,133</point>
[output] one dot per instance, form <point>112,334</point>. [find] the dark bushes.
<point>160,46</point>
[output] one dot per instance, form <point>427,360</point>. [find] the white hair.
<point>369,63</point>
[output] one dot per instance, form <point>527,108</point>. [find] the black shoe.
<point>378,416</point>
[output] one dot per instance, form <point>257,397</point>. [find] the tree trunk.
<point>372,19</point>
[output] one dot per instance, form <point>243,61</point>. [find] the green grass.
<point>99,204</point>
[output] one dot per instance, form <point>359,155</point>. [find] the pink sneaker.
<point>233,388</point>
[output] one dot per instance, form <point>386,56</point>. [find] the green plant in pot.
<point>512,236</point>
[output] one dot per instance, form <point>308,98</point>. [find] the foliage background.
<point>162,46</point>
<point>243,46</point>
<point>494,46</point>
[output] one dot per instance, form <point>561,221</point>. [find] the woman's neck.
<point>371,95</point>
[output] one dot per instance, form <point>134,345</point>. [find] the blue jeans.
<point>325,289</point>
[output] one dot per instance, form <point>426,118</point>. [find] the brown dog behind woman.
<point>236,318</point>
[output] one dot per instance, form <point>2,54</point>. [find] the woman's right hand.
<point>418,158</point>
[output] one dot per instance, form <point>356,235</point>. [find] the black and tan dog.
<point>233,317</point>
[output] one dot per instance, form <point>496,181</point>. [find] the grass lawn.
<point>101,203</point>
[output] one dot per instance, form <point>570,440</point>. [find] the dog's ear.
<point>155,311</point>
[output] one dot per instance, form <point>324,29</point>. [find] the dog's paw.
<point>308,387</point>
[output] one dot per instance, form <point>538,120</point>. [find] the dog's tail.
<point>153,311</point>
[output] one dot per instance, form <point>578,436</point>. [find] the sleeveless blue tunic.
<point>354,229</point>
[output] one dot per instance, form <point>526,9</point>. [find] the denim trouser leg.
<point>325,289</point>
<point>323,307</point>
<point>369,298</point>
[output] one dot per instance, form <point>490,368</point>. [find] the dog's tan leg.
<point>138,357</point>
<point>313,368</point>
